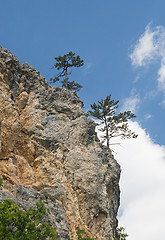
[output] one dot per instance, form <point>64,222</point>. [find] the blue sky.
<point>103,34</point>
<point>122,44</point>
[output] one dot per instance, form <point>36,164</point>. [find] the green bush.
<point>79,235</point>
<point>1,182</point>
<point>16,224</point>
<point>122,234</point>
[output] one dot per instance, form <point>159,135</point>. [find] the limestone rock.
<point>50,145</point>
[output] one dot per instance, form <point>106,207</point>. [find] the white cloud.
<point>131,103</point>
<point>136,79</point>
<point>161,74</point>
<point>148,116</point>
<point>151,94</point>
<point>150,47</point>
<point>163,102</point>
<point>142,186</point>
<point>87,68</point>
<point>146,48</point>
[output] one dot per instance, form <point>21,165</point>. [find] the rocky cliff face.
<point>50,151</point>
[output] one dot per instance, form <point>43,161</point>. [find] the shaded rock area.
<point>49,146</point>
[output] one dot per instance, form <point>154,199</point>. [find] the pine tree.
<point>113,125</point>
<point>63,64</point>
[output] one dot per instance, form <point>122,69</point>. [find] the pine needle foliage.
<point>113,125</point>
<point>62,65</point>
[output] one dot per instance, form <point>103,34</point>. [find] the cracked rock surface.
<point>49,147</point>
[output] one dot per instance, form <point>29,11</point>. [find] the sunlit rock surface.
<point>49,146</point>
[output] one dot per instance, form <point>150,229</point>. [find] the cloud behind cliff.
<point>142,186</point>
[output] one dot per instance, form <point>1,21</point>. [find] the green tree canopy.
<point>62,65</point>
<point>113,125</point>
<point>16,224</point>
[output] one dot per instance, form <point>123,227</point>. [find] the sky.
<point>122,44</point>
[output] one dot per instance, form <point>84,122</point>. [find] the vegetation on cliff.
<point>104,110</point>
<point>19,224</point>
<point>113,125</point>
<point>16,224</point>
<point>122,234</point>
<point>63,64</point>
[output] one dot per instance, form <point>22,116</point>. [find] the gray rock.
<point>50,145</point>
<point>55,215</point>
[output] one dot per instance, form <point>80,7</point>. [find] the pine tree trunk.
<point>107,137</point>
<point>66,80</point>
<point>107,133</point>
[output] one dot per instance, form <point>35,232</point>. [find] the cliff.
<point>50,152</point>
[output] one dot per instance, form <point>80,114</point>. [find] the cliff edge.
<point>50,152</point>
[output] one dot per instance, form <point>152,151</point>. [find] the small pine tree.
<point>114,125</point>
<point>63,64</point>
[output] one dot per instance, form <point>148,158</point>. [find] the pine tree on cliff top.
<point>63,64</point>
<point>113,125</point>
